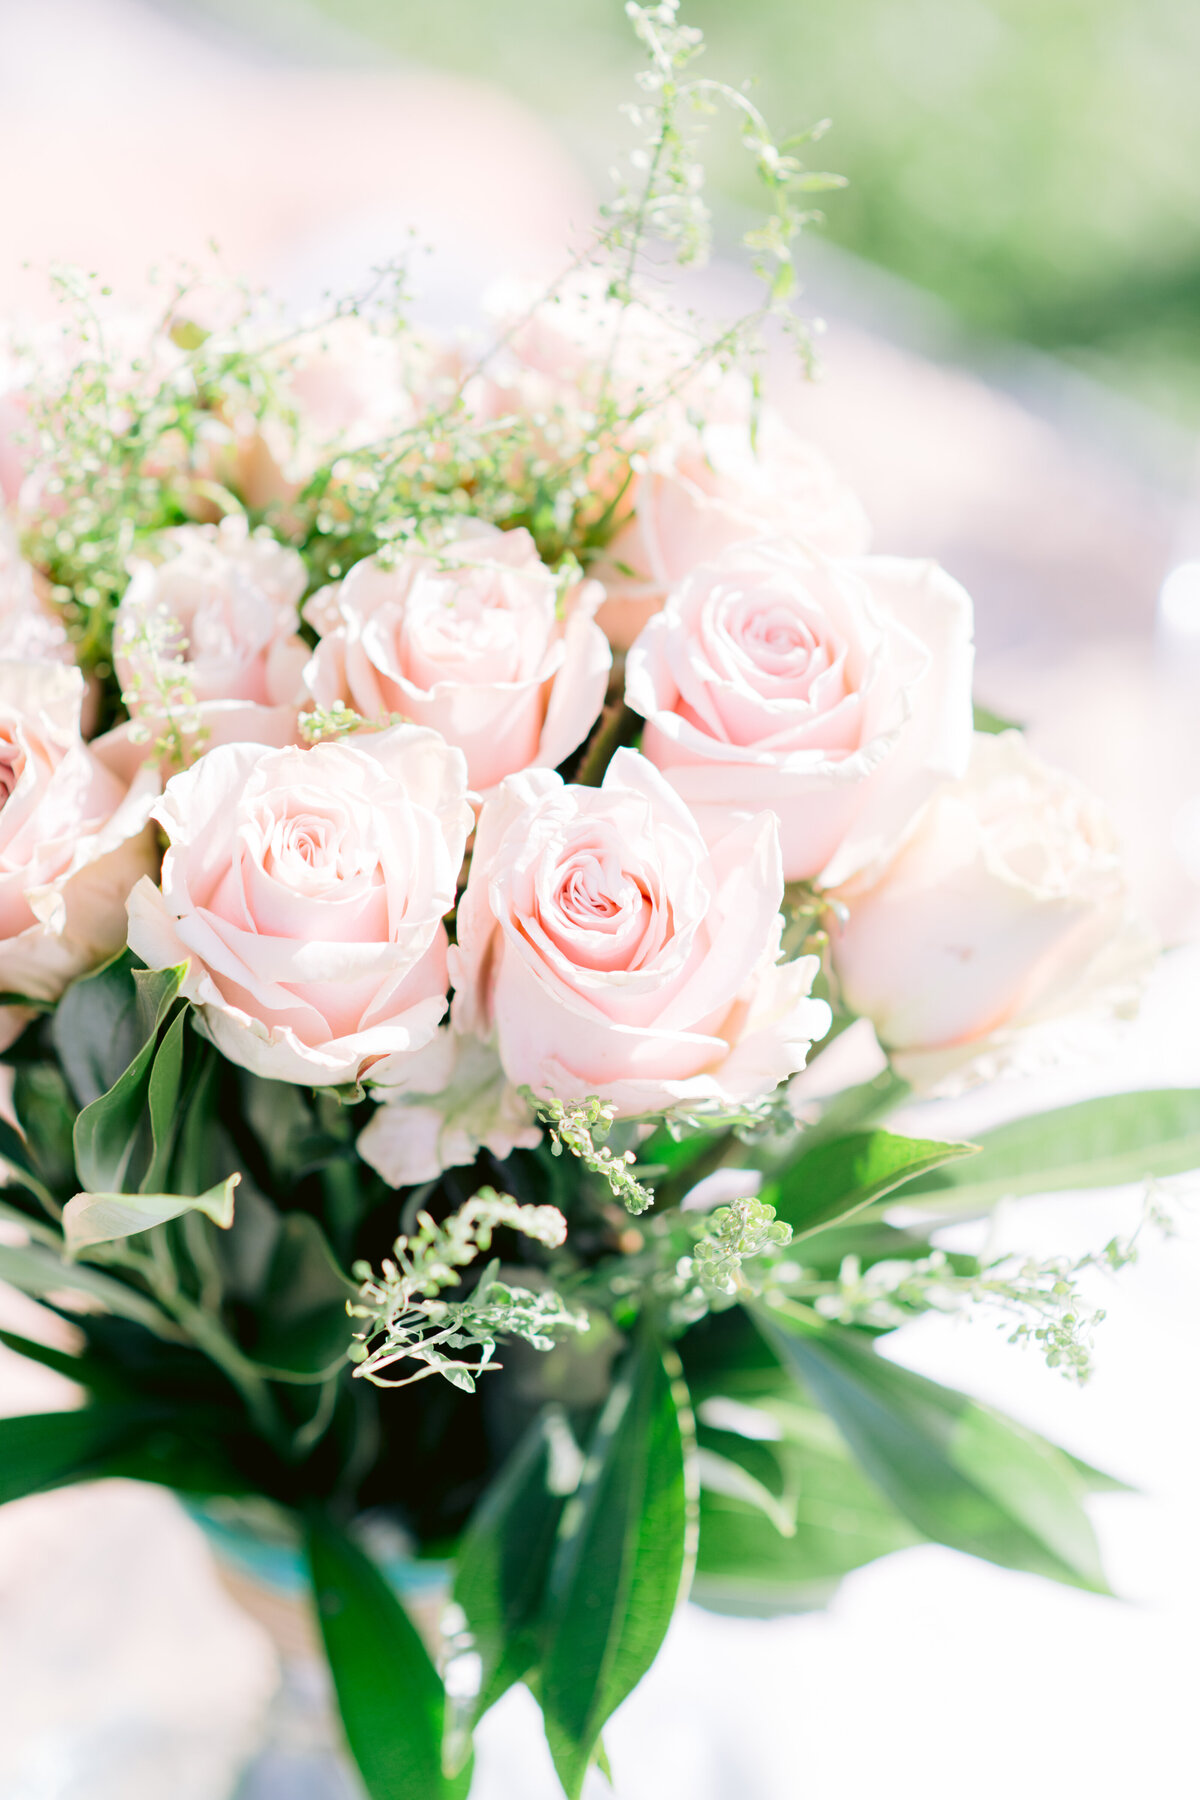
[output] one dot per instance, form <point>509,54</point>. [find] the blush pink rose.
<point>611,953</point>
<point>1006,909</point>
<point>836,692</point>
<point>469,642</point>
<point>305,890</point>
<point>74,838</point>
<point>715,487</point>
<point>209,634</point>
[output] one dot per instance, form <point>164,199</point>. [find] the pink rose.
<point>469,642</point>
<point>208,635</point>
<point>74,838</point>
<point>305,889</point>
<point>1005,909</point>
<point>715,487</point>
<point>836,692</point>
<point>30,630</point>
<point>613,954</point>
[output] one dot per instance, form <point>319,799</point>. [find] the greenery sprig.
<point>405,1318</point>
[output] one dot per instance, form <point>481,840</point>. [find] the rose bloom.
<point>714,487</point>
<point>469,642</point>
<point>30,630</point>
<point>612,953</point>
<point>837,693</point>
<point>1007,908</point>
<point>305,890</point>
<point>445,1104</point>
<point>209,633</point>
<point>74,838</point>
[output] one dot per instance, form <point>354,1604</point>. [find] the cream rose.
<point>838,693</point>
<point>1005,909</point>
<point>611,953</point>
<point>440,1107</point>
<point>74,838</point>
<point>469,642</point>
<point>208,635</point>
<point>717,486</point>
<point>305,889</point>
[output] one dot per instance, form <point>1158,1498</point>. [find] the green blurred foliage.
<point>1036,163</point>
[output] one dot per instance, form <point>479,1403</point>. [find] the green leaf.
<point>303,1327</point>
<point>842,1175</point>
<point>102,1218</point>
<point>623,1559</point>
<point>47,1112</point>
<point>1098,1143</point>
<point>39,1271</point>
<point>504,1560</point>
<point>840,1520</point>
<point>15,1152</point>
<point>963,1474</point>
<point>112,1128</point>
<point>78,1368</point>
<point>992,723</point>
<point>727,1476</point>
<point>391,1699</point>
<point>162,1102</point>
<point>44,1450</point>
<point>95,1029</point>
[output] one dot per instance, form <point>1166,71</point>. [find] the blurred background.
<point>1011,289</point>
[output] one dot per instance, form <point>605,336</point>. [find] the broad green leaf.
<point>162,1103</point>
<point>44,1450</point>
<point>623,1559</point>
<point>96,1029</point>
<point>303,1327</point>
<point>112,1128</point>
<point>504,1560</point>
<point>963,1474</point>
<point>727,1476</point>
<point>46,1111</point>
<point>78,1368</point>
<point>845,1174</point>
<point>102,1218</point>
<point>1098,1143</point>
<point>39,1271</point>
<point>15,1152</point>
<point>390,1696</point>
<point>16,1208</point>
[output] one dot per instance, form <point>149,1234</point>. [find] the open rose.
<point>305,889</point>
<point>611,953</point>
<point>714,487</point>
<point>469,642</point>
<point>1005,909</point>
<point>837,693</point>
<point>208,636</point>
<point>74,838</point>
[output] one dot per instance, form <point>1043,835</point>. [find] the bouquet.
<point>485,847</point>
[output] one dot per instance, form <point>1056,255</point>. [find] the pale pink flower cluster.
<point>805,722</point>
